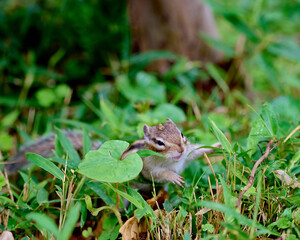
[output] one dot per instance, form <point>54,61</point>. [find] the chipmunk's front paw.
<point>176,179</point>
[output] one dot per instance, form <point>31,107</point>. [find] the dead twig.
<point>251,177</point>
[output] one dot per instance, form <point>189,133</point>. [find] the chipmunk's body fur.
<point>165,139</point>
<point>44,146</point>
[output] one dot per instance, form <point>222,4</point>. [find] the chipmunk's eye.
<point>181,134</point>
<point>160,143</point>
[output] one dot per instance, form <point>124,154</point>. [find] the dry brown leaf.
<point>134,230</point>
<point>202,211</point>
<point>6,235</point>
<point>287,179</point>
<point>160,198</point>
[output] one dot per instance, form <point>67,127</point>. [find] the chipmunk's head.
<point>166,139</point>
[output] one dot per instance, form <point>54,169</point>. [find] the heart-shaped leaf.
<point>105,164</point>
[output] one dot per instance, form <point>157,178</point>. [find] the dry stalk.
<point>251,177</point>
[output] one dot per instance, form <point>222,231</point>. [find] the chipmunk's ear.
<point>170,121</point>
<point>147,132</point>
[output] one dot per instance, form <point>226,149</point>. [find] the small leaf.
<point>45,164</point>
<point>146,153</point>
<point>68,147</point>
<point>283,223</point>
<point>208,227</point>
<point>105,164</point>
<point>44,222</point>
<point>87,143</point>
<point>221,137</point>
<point>168,110</point>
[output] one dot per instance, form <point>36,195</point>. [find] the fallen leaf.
<point>160,198</point>
<point>287,179</point>
<point>202,211</point>
<point>6,235</point>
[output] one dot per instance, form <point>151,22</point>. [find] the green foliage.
<point>105,164</point>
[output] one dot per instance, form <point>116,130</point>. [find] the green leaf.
<point>109,115</point>
<point>221,137</point>
<point>10,118</point>
<point>2,182</point>
<point>186,236</point>
<point>67,145</point>
<point>283,223</point>
<point>46,97</point>
<point>6,141</point>
<point>100,192</point>
<point>215,73</point>
<point>290,51</point>
<point>44,222</point>
<point>42,196</point>
<point>145,88</point>
<point>45,164</point>
<point>70,224</point>
<point>87,143</point>
<point>105,164</point>
<point>168,110</point>
<point>208,227</point>
<point>270,118</point>
<point>146,57</point>
<point>258,132</point>
<point>146,153</point>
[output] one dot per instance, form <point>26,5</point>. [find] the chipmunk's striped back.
<point>43,146</point>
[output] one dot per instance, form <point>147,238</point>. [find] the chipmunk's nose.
<point>180,149</point>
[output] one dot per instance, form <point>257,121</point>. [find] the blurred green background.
<point>58,59</point>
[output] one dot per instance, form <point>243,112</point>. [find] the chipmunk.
<point>164,138</point>
<point>169,141</point>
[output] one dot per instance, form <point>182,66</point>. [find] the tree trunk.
<point>175,26</point>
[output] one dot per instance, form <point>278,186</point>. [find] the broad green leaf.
<point>168,110</point>
<point>70,224</point>
<point>105,164</point>
<point>221,137</point>
<point>44,222</point>
<point>270,118</point>
<point>71,152</point>
<point>145,87</point>
<point>258,132</point>
<point>283,223</point>
<point>45,164</point>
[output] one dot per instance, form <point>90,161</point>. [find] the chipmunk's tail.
<point>43,146</point>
